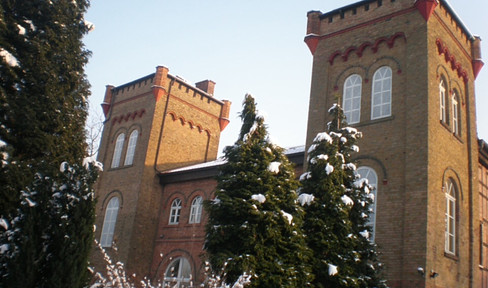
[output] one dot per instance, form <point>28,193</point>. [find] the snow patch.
<point>323,137</point>
<point>21,30</point>
<point>30,202</point>
<point>365,234</point>
<point>355,148</point>
<point>259,197</point>
<point>329,169</point>
<point>91,160</point>
<point>274,167</point>
<point>3,223</point>
<point>288,216</point>
<point>3,248</point>
<point>332,270</point>
<point>319,157</point>
<point>305,176</point>
<point>305,199</point>
<point>347,200</point>
<point>311,148</point>
<point>9,58</point>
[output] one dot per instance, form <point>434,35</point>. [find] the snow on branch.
<point>9,58</point>
<point>274,167</point>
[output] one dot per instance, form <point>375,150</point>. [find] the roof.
<point>210,169</point>
<point>444,3</point>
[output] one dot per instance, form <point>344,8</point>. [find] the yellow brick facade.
<point>411,150</point>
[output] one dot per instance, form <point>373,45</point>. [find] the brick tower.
<point>152,124</point>
<point>404,73</point>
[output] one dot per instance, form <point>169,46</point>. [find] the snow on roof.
<point>221,161</point>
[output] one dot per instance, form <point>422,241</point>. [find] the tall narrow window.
<point>178,274</point>
<point>442,101</point>
<point>370,174</point>
<point>174,217</point>
<point>450,234</point>
<point>381,97</point>
<point>351,99</point>
<point>455,113</point>
<point>109,222</point>
<point>196,210</point>
<point>119,144</point>
<point>129,156</point>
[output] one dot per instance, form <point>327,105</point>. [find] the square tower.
<point>404,73</point>
<point>152,124</point>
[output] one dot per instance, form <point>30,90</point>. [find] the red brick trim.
<point>390,41</point>
<point>312,39</point>
<point>451,59</point>
<point>128,116</point>
<point>192,124</point>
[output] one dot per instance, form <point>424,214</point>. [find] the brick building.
<point>404,72</point>
<point>152,124</point>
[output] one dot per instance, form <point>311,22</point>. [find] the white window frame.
<point>109,222</point>
<point>455,113</point>
<point>131,148</point>
<point>351,98</point>
<point>450,217</point>
<point>196,210</point>
<point>174,217</point>
<point>381,93</point>
<point>442,101</point>
<point>178,273</point>
<point>119,145</point>
<point>370,174</point>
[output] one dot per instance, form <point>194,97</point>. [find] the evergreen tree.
<point>46,214</point>
<point>254,222</point>
<point>336,202</point>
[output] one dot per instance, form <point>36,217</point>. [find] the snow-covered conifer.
<point>335,203</point>
<point>254,228</point>
<point>43,108</point>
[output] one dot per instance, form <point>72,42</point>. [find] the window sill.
<point>451,256</point>
<point>120,167</point>
<point>375,121</point>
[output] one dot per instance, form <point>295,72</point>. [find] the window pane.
<point>381,93</point>
<point>352,98</point>
<point>119,144</point>
<point>109,222</point>
<point>450,194</point>
<point>196,210</point>
<point>370,174</point>
<point>178,274</point>
<point>129,157</point>
<point>175,212</point>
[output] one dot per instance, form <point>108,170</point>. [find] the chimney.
<point>207,86</point>
<point>107,100</point>
<point>476,56</point>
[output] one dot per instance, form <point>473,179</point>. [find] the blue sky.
<point>251,46</point>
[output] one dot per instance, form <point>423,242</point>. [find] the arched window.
<point>455,114</point>
<point>381,97</point>
<point>450,233</point>
<point>131,148</point>
<point>119,144</point>
<point>351,98</point>
<point>370,174</point>
<point>442,101</point>
<point>109,222</point>
<point>196,210</point>
<point>174,217</point>
<point>178,273</point>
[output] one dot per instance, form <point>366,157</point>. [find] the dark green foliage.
<point>336,220</point>
<point>250,235</point>
<point>43,110</point>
